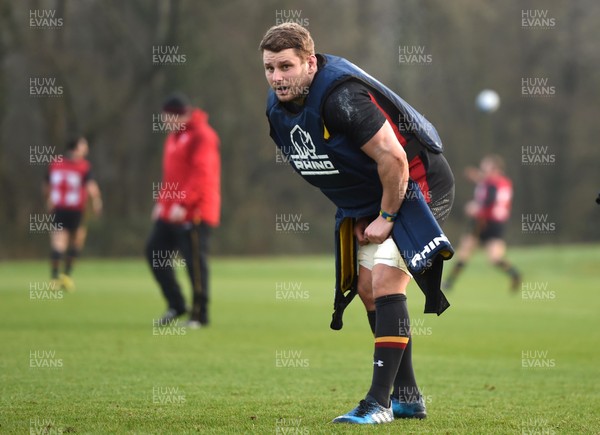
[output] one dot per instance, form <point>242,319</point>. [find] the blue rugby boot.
<point>409,410</point>
<point>368,411</point>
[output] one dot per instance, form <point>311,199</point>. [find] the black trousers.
<point>191,241</point>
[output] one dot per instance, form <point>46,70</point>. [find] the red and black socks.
<point>391,338</point>
<point>55,258</point>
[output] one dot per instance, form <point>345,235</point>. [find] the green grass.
<point>226,380</point>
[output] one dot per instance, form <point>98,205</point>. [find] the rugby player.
<point>488,213</point>
<point>67,185</point>
<point>357,141</point>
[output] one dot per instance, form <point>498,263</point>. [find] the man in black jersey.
<point>351,139</point>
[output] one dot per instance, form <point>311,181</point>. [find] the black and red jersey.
<point>67,180</point>
<point>493,196</point>
<point>358,111</point>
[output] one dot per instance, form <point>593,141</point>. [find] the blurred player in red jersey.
<point>66,188</point>
<point>489,211</point>
<point>188,206</point>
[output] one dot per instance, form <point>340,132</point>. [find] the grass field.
<point>92,362</point>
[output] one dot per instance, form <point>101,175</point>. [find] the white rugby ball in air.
<point>487,101</point>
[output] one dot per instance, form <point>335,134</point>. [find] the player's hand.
<point>177,213</point>
<point>472,174</point>
<point>378,230</point>
<point>156,211</point>
<point>359,231</point>
<point>471,209</point>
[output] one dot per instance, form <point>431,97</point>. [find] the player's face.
<point>82,148</point>
<point>288,74</point>
<point>487,166</point>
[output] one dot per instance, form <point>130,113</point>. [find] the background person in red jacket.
<point>488,211</point>
<point>188,206</point>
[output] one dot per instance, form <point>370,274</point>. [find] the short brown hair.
<point>288,35</point>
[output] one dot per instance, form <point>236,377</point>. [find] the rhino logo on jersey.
<point>306,160</point>
<point>303,143</point>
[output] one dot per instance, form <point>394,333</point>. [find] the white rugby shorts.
<point>385,253</point>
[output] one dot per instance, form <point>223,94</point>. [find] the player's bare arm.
<point>95,195</point>
<point>392,167</point>
<point>46,195</point>
<point>474,175</point>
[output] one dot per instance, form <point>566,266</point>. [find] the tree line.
<point>102,69</point>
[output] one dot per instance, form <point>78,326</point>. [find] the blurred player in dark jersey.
<point>66,188</point>
<point>489,212</point>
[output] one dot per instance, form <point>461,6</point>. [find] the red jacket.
<point>192,171</point>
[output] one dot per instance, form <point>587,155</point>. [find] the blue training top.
<point>346,175</point>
